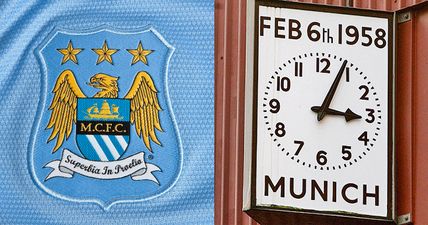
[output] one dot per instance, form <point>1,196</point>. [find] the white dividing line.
<point>110,146</point>
<point>97,147</point>
<point>121,141</point>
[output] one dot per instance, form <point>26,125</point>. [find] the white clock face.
<point>321,118</point>
<point>322,111</point>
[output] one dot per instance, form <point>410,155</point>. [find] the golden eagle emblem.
<point>142,95</point>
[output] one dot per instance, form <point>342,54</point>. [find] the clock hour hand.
<point>348,114</point>
<point>327,100</point>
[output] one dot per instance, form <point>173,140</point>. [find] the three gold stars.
<point>104,53</point>
<point>139,54</point>
<point>69,53</point>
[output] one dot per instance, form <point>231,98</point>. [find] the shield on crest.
<point>106,119</point>
<point>102,128</point>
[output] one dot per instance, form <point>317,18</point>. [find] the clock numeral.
<point>322,158</point>
<point>275,106</point>
<point>347,155</point>
<point>363,137</point>
<point>298,69</point>
<point>371,116</point>
<point>347,75</point>
<point>280,129</point>
<point>366,92</point>
<point>283,84</point>
<point>300,143</point>
<point>326,68</point>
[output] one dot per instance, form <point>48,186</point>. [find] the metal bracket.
<point>349,3</point>
<point>405,219</point>
<point>404,17</point>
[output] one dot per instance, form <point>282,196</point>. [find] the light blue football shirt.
<point>186,98</point>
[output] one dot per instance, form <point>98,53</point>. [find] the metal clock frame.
<point>278,215</point>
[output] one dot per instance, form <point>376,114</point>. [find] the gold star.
<point>139,54</point>
<point>69,53</point>
<point>104,53</point>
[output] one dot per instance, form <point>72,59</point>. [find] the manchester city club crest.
<point>105,130</point>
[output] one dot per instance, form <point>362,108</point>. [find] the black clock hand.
<point>326,103</point>
<point>348,114</point>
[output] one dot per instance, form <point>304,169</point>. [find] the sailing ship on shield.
<point>106,112</point>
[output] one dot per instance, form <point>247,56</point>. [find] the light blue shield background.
<point>186,25</point>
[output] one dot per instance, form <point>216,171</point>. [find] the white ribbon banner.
<point>133,166</point>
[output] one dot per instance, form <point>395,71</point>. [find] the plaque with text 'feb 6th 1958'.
<point>320,131</point>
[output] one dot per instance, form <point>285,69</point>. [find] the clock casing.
<point>319,105</point>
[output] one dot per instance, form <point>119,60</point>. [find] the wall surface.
<point>412,116</point>
<point>384,5</point>
<point>411,106</point>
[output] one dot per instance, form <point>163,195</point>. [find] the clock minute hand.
<point>348,114</point>
<point>327,100</point>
